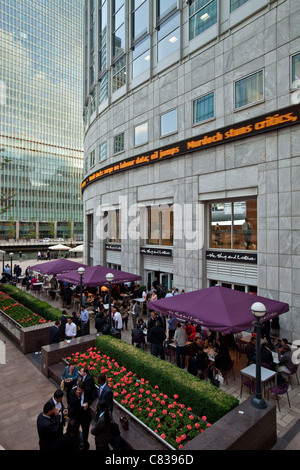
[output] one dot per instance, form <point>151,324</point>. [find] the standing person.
<point>80,409</point>
<point>89,381</point>
<point>48,426</point>
<point>156,337</point>
<point>63,322</point>
<point>117,317</point>
<point>180,339</point>
<point>70,376</point>
<point>71,440</point>
<point>70,329</point>
<point>105,392</point>
<point>101,431</point>
<point>84,319</point>
<point>54,333</point>
<point>134,312</point>
<point>171,326</point>
<point>63,411</point>
<point>247,227</point>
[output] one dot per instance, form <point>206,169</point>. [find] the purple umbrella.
<point>56,266</point>
<point>95,276</point>
<point>218,308</point>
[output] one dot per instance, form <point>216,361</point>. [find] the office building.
<point>41,131</point>
<point>192,148</point>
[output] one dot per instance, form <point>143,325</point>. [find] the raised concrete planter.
<point>244,428</point>
<point>29,339</point>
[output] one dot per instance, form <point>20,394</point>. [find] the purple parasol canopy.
<point>56,266</point>
<point>218,308</point>
<point>95,276</point>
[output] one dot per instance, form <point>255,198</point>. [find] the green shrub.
<point>202,397</point>
<point>34,304</point>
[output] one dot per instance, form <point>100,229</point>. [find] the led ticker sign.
<point>252,127</point>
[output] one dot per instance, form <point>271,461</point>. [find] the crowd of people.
<point>67,426</point>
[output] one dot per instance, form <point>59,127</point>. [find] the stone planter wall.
<point>29,339</point>
<point>244,428</point>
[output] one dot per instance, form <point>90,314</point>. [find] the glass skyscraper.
<point>41,130</point>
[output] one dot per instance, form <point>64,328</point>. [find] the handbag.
<point>124,422</point>
<point>62,385</point>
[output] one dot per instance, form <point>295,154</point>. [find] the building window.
<point>295,68</point>
<point>141,57</point>
<point>168,123</point>
<point>93,101</point>
<point>92,158</point>
<point>140,18</point>
<point>103,152</point>
<point>114,226</point>
<point>141,134</point>
<point>119,143</point>
<point>90,228</point>
<point>233,225</point>
<point>118,28</point>
<point>168,37</point>
<point>249,90</point>
<point>103,88</point>
<point>160,225</point>
<point>234,4</point>
<point>102,35</point>
<point>203,108</point>
<point>203,15</point>
<point>119,73</point>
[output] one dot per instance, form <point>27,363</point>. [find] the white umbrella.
<point>77,248</point>
<point>59,247</point>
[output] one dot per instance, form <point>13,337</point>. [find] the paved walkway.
<point>24,390</point>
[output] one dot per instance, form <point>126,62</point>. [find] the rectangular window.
<point>296,68</point>
<point>103,36</point>
<point>141,134</point>
<point>90,228</point>
<point>141,57</point>
<point>203,108</point>
<point>160,225</point>
<point>114,226</point>
<point>92,158</point>
<point>139,18</point>
<point>234,225</point>
<point>249,90</point>
<point>168,123</point>
<point>164,7</point>
<point>168,37</point>
<point>103,88</point>
<point>234,4</point>
<point>119,143</point>
<point>203,15</point>
<point>119,73</point>
<point>103,152</point>
<point>118,28</point>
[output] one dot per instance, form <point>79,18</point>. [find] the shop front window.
<point>233,225</point>
<point>160,225</point>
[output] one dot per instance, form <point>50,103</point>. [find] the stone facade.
<point>263,166</point>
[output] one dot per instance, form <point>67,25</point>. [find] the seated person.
<point>190,331</point>
<point>222,359</point>
<point>251,349</point>
<point>266,355</point>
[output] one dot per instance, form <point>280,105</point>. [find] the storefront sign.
<point>252,127</point>
<point>234,257</point>
<point>112,247</point>
<point>155,251</point>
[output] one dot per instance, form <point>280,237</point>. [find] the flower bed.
<point>19,313</point>
<point>165,415</point>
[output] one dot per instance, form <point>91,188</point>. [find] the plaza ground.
<point>24,390</point>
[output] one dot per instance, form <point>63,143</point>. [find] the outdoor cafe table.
<point>266,374</point>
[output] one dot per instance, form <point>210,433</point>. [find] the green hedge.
<point>34,304</point>
<point>204,399</point>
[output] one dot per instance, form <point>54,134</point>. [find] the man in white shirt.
<point>117,317</point>
<point>70,329</point>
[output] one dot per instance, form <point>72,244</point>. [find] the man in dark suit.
<point>105,392</point>
<point>58,403</point>
<point>80,409</point>
<point>89,381</point>
<point>48,426</point>
<point>54,333</point>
